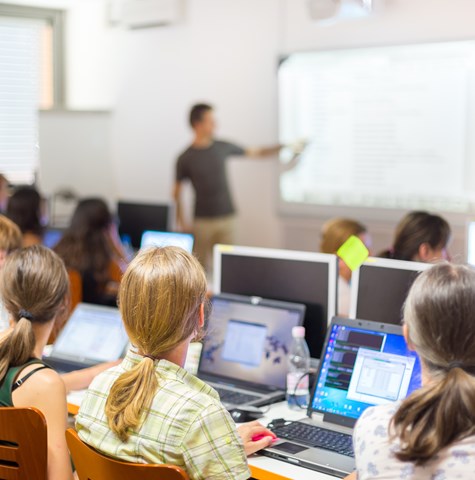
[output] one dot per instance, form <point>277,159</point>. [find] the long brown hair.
<point>160,298</point>
<point>415,229</point>
<point>34,286</point>
<point>85,245</point>
<point>439,316</point>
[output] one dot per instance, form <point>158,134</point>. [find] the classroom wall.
<point>225,52</point>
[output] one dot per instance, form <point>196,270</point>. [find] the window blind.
<point>19,97</point>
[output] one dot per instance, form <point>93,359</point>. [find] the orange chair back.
<point>23,444</point>
<point>92,465</point>
<point>75,290</point>
<point>75,286</point>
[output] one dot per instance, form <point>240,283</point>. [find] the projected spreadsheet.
<point>386,126</point>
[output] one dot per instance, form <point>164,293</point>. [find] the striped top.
<point>186,425</point>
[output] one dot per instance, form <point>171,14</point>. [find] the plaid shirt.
<point>186,425</point>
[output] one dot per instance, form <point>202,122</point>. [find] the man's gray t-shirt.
<point>206,169</point>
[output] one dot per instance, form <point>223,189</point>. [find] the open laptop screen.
<point>249,342</point>
<point>167,239</point>
<point>363,367</point>
<point>93,333</point>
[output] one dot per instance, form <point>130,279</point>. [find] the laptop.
<point>152,238</point>
<point>92,335</point>
<point>244,355</point>
<point>363,364</point>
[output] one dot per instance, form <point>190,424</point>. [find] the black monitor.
<point>136,218</point>
<point>379,289</point>
<point>299,277</point>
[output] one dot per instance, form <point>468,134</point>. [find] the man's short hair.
<point>197,112</point>
<point>10,235</point>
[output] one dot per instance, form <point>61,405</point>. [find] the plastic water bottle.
<point>298,364</point>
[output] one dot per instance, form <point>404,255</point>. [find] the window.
<point>31,78</point>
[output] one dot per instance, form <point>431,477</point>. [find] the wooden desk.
<point>262,468</point>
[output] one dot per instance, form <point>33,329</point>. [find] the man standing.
<point>203,163</point>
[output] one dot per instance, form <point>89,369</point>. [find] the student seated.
<point>75,380</point>
<point>149,409</point>
<point>431,434</point>
<point>90,247</point>
<point>34,288</point>
<point>335,233</point>
<point>27,209</point>
<point>420,237</point>
<point>10,240</point>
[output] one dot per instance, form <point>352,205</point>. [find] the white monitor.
<point>379,289</point>
<point>286,275</point>
<point>471,243</point>
<point>167,239</point>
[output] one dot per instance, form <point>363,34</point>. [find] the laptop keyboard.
<point>232,397</point>
<point>314,436</point>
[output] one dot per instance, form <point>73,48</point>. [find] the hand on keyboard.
<point>251,430</point>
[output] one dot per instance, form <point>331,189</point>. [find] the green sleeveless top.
<point>9,382</point>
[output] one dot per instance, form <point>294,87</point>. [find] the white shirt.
<point>4,318</point>
<point>375,459</point>
<point>344,297</point>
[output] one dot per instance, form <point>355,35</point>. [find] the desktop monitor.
<point>136,218</point>
<point>286,275</point>
<point>167,239</point>
<point>379,289</point>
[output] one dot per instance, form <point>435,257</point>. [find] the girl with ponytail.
<point>34,287</point>
<point>431,434</point>
<point>149,409</point>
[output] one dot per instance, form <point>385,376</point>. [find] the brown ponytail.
<point>160,298</point>
<point>34,287</point>
<point>439,317</point>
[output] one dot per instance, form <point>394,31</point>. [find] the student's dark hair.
<point>24,209</point>
<point>197,112</point>
<point>34,286</point>
<point>415,229</point>
<point>85,245</point>
<point>439,317</point>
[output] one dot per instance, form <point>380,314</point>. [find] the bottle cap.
<point>298,332</point>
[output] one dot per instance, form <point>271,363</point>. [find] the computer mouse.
<point>245,414</point>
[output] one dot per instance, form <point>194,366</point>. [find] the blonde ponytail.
<point>160,299</point>
<point>131,394</point>
<point>439,317</point>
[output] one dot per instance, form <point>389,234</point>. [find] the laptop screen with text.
<point>362,368</point>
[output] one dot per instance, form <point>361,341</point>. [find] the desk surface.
<point>279,410</point>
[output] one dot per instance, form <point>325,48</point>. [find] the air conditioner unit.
<point>149,13</point>
<point>320,10</point>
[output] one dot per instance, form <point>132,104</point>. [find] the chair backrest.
<point>75,289</point>
<point>92,465</point>
<point>23,444</point>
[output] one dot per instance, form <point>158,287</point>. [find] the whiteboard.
<point>388,127</point>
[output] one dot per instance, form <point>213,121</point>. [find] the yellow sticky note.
<point>225,248</point>
<point>353,252</point>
